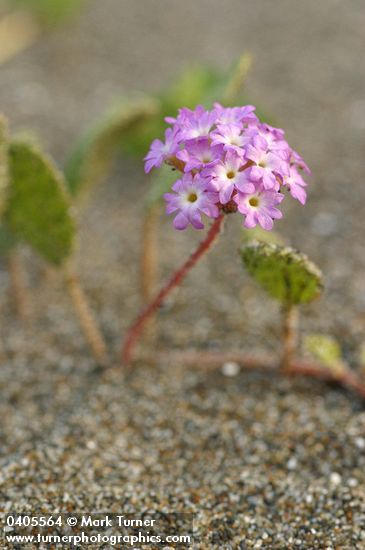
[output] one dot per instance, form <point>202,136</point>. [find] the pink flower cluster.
<point>230,161</point>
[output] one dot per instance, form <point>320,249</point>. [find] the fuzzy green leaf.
<point>286,274</point>
<point>325,348</point>
<point>38,211</point>
<point>4,176</point>
<point>92,157</point>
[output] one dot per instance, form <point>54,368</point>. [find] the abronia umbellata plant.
<point>229,162</point>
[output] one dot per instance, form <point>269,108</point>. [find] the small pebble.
<point>335,478</point>
<point>292,463</point>
<point>352,482</point>
<point>360,442</point>
<point>230,369</point>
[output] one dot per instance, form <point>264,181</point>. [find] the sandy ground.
<point>262,462</point>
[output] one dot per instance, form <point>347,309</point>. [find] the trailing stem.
<point>137,327</point>
<point>290,335</point>
<point>210,361</point>
<point>19,291</point>
<point>86,319</point>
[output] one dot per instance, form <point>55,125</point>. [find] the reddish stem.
<point>211,360</point>
<point>137,327</point>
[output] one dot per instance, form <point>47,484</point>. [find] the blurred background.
<point>308,74</point>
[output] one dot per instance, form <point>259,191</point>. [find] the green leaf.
<point>38,211</point>
<point>4,175</point>
<point>51,12</point>
<point>94,154</point>
<point>325,348</point>
<point>286,274</point>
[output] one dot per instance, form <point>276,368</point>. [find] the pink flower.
<point>231,136</point>
<point>160,151</point>
<point>274,137</point>
<point>267,165</point>
<point>196,124</point>
<point>259,207</point>
<point>295,183</point>
<point>235,115</point>
<point>191,199</point>
<point>297,160</point>
<point>225,176</point>
<point>199,153</point>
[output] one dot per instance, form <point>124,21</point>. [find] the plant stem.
<point>149,253</point>
<point>210,361</point>
<point>136,328</point>
<point>348,378</point>
<point>149,263</point>
<point>19,289</point>
<point>290,335</point>
<point>87,322</point>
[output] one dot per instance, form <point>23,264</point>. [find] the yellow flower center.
<point>192,197</point>
<point>230,175</point>
<point>253,201</point>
